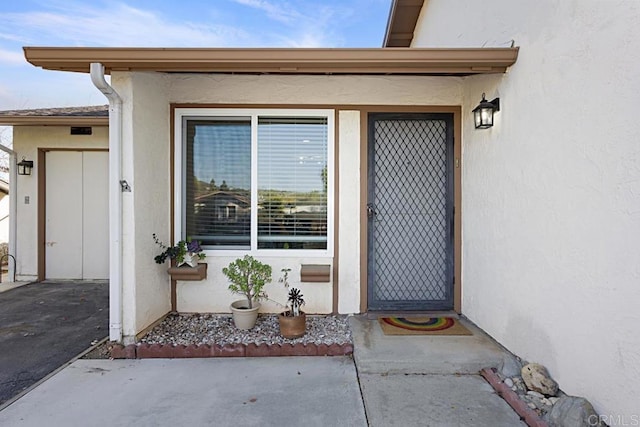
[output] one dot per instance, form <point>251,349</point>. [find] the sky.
<point>165,23</point>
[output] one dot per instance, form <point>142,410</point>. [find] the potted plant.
<point>186,255</point>
<point>293,321</point>
<point>247,276</point>
<point>184,252</point>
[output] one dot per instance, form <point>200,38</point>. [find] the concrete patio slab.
<point>284,391</point>
<point>375,352</point>
<point>434,400</point>
<point>429,380</point>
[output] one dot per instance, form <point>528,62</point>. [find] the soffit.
<point>403,61</point>
<point>402,21</point>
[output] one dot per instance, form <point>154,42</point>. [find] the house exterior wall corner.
<point>146,208</point>
<point>550,193</point>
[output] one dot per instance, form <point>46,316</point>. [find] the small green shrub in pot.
<point>247,276</point>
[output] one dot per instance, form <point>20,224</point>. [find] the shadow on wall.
<point>519,327</point>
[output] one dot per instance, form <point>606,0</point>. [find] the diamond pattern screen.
<point>411,229</point>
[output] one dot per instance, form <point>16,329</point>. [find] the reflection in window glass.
<point>218,182</point>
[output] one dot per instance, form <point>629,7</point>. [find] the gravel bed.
<point>185,329</point>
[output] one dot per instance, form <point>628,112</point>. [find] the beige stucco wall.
<point>328,92</point>
<point>349,222</point>
<point>145,160</point>
<point>147,210</point>
<point>551,194</point>
<point>324,90</point>
<point>26,141</point>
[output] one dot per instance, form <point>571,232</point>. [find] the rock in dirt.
<point>537,378</point>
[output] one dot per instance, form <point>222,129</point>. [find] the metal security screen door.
<point>410,212</point>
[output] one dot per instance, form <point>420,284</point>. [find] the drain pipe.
<point>13,208</point>
<point>115,200</point>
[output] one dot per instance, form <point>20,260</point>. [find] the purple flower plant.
<point>194,246</point>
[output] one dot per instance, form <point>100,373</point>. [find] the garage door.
<point>76,215</point>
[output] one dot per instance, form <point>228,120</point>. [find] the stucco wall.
<point>330,92</point>
<point>349,222</point>
<point>26,141</point>
<point>324,90</point>
<point>551,194</point>
<point>147,97</point>
<point>145,160</point>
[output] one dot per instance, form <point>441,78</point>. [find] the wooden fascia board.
<point>53,121</point>
<point>278,60</point>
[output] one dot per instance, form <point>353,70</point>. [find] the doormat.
<point>422,326</point>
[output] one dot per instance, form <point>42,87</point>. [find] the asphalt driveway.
<point>44,325</point>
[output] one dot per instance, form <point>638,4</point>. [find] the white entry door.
<point>77,215</point>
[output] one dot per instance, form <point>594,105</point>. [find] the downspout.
<point>13,208</point>
<point>115,200</point>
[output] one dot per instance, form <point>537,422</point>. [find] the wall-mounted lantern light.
<point>25,166</point>
<point>483,113</point>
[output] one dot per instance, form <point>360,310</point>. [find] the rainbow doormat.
<point>422,326</point>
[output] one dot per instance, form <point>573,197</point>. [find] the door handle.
<point>371,211</point>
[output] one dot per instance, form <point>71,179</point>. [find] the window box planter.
<point>186,272</point>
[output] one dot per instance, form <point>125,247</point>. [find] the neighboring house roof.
<point>402,21</point>
<point>4,186</point>
<point>414,61</point>
<point>224,196</point>
<point>83,116</point>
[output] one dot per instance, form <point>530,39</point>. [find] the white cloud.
<point>100,23</point>
<point>117,25</point>
<point>284,13</point>
<point>311,24</point>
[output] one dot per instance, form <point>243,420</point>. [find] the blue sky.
<point>166,23</point>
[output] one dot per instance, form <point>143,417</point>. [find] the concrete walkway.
<point>429,380</point>
<point>403,381</point>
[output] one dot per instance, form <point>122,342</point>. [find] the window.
<point>256,180</point>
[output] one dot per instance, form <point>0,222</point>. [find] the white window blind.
<point>292,183</point>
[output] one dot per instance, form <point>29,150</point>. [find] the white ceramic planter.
<point>243,317</point>
<point>191,259</point>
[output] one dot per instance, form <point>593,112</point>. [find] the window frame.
<point>179,208</point>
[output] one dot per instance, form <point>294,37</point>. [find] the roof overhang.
<point>16,120</point>
<point>402,21</point>
<point>402,61</point>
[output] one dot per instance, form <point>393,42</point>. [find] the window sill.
<point>186,272</point>
<point>271,253</point>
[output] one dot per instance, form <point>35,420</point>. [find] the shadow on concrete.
<point>44,325</point>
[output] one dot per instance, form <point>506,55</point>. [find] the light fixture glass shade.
<point>24,167</point>
<point>483,113</point>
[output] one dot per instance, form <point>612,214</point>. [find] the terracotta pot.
<point>292,326</point>
<point>244,317</point>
